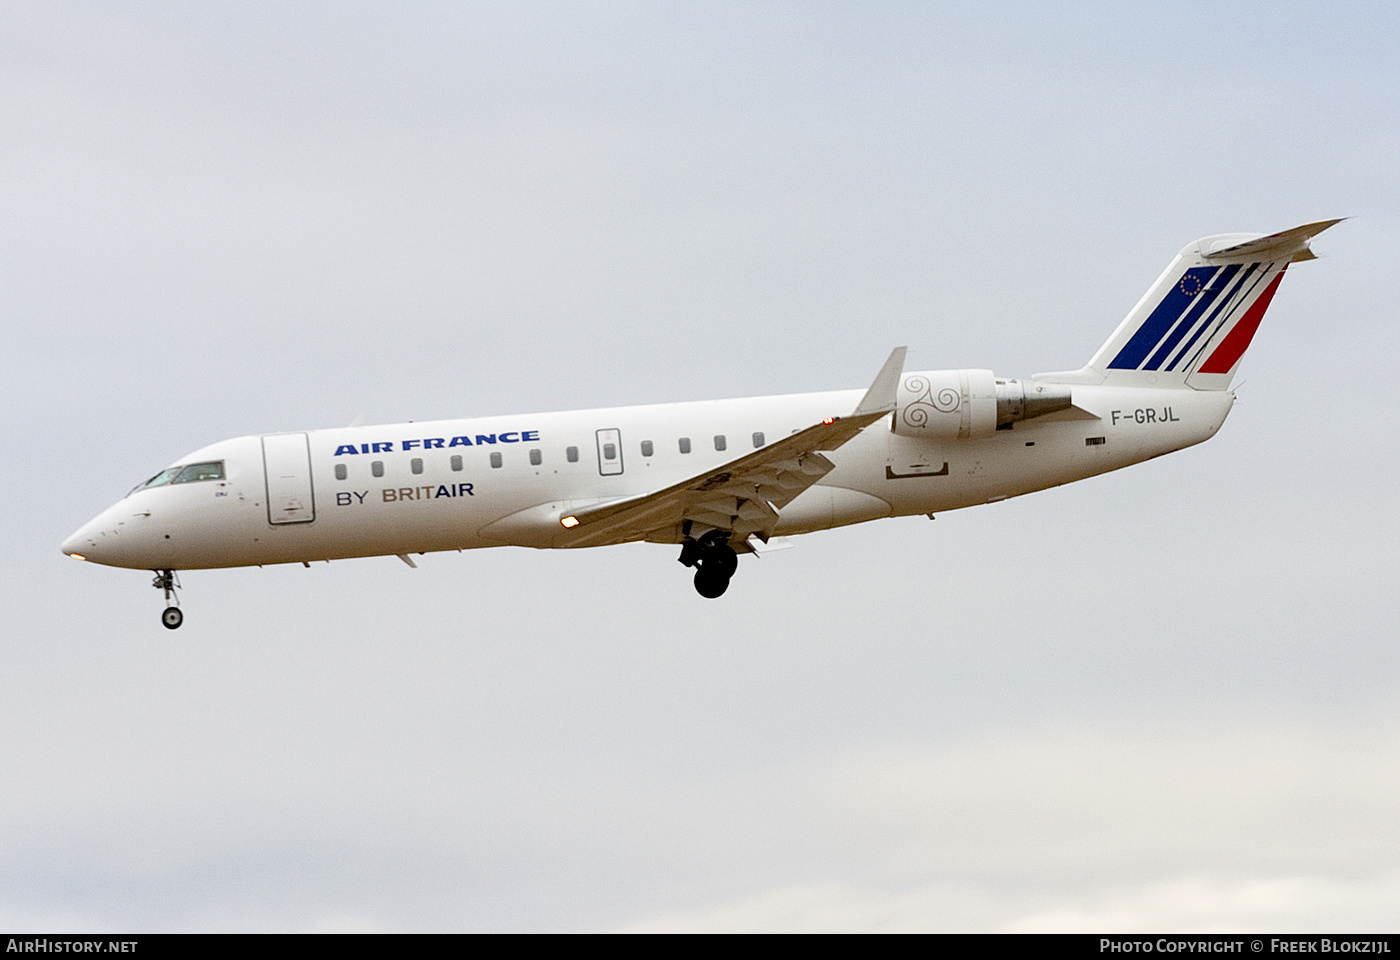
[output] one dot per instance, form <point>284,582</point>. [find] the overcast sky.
<point>1166,698</point>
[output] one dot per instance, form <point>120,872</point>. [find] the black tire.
<point>171,618</point>
<point>709,584</point>
<point>728,560</point>
<point>721,561</point>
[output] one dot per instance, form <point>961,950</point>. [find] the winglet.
<point>880,398</point>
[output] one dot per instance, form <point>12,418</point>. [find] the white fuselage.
<point>454,504</point>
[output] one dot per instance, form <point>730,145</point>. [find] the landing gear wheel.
<point>714,561</point>
<point>709,584</point>
<point>166,580</point>
<point>722,560</point>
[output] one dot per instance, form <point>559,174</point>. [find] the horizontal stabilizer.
<point>1275,244</point>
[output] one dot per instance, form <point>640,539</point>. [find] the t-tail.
<point>1193,325</point>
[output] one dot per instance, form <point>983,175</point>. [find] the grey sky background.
<point>1161,699</point>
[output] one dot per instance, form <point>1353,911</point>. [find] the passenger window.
<point>685,444</point>
<point>720,442</point>
<point>571,454</point>
<point>416,465</point>
<point>758,439</point>
<point>456,462</point>
<point>609,451</point>
<point>341,472</point>
<point>201,471</point>
<point>536,458</point>
<point>647,448</point>
<point>377,468</point>
<point>495,459</point>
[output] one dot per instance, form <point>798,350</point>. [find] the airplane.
<point>718,478</point>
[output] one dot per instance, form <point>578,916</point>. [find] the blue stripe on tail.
<point>1173,305</point>
<point>1244,290</point>
<point>1221,313</point>
<point>1203,303</point>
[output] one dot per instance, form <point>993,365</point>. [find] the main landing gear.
<point>171,617</point>
<point>714,561</point>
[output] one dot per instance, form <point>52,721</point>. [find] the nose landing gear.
<point>714,561</point>
<point>171,617</point>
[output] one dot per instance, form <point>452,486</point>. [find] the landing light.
<point>570,522</point>
<point>77,556</point>
<point>829,420</point>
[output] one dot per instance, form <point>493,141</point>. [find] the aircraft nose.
<point>106,538</point>
<point>81,542</point>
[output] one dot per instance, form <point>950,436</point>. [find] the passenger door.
<point>287,471</point>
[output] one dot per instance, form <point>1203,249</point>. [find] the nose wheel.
<point>714,561</point>
<point>171,617</point>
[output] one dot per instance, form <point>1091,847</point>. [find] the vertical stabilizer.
<point>1195,322</point>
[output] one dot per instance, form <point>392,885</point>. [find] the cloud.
<point>1222,826</point>
<point>1189,905</point>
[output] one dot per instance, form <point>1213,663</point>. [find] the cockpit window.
<point>214,470</point>
<point>162,478</point>
<point>186,473</point>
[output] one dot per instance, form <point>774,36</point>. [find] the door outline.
<point>610,467</point>
<point>291,498</point>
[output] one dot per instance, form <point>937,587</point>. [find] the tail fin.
<point>1193,325</point>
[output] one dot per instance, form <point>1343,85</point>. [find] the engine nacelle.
<point>947,404</point>
<point>970,404</point>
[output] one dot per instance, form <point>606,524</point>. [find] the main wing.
<point>742,496</point>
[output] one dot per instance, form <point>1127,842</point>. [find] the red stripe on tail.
<point>1236,342</point>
